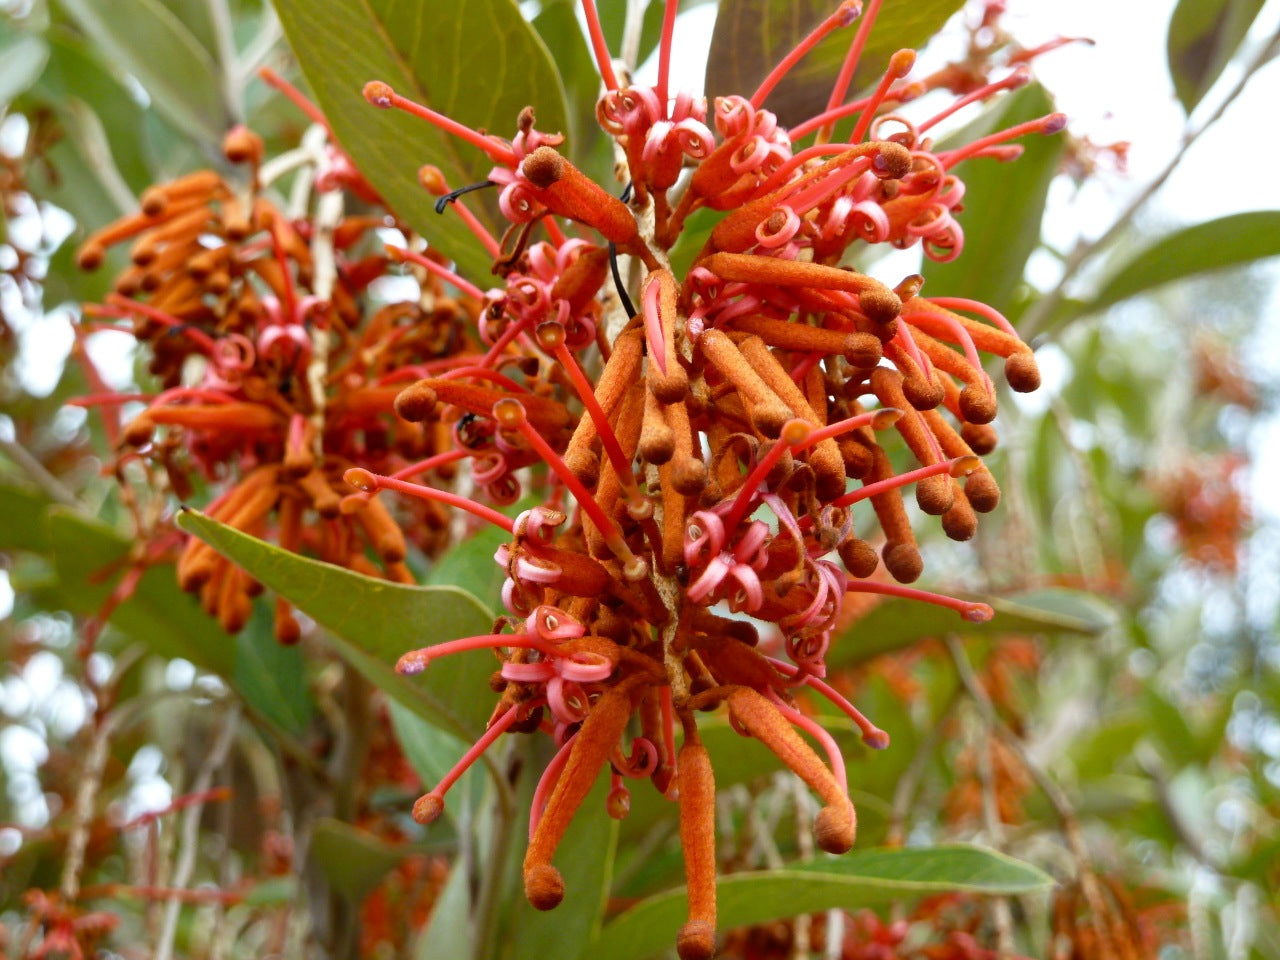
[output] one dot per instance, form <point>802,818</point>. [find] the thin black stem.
<point>453,195</point>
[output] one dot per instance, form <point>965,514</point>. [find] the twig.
<point>190,832</point>
<point>86,796</point>
<point>224,38</point>
<point>1041,312</point>
<point>39,475</point>
<point>1151,764</point>
<point>256,51</point>
<point>1000,910</point>
<point>632,29</point>
<point>909,783</point>
<point>1057,798</point>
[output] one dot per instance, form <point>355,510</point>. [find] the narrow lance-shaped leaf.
<point>374,622</point>
<point>148,41</point>
<point>22,57</point>
<point>865,877</point>
<point>90,558</point>
<point>752,36</point>
<point>892,624</point>
<point>476,61</point>
<point>1203,37</point>
<point>1215,245</point>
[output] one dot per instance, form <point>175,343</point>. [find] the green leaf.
<point>76,74</point>
<point>145,39</point>
<point>1168,725</point>
<point>81,176</point>
<point>195,15</point>
<point>896,623</point>
<point>354,860</point>
<point>23,525</point>
<point>89,558</point>
<point>865,877</point>
<point>1203,37</point>
<point>469,565</point>
<point>1226,242</point>
<point>585,860</point>
<point>275,892</point>
<point>22,58</point>
<point>432,753</point>
<point>1003,205</point>
<point>449,932</point>
<point>589,148</point>
<point>272,677</point>
<point>476,61</point>
<point>374,622</point>
<point>752,36</point>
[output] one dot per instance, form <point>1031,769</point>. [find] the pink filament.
<point>415,661</point>
<point>828,742</point>
<point>845,77</point>
<point>444,273</point>
<point>498,728</point>
<point>1049,124</point>
<point>599,46</point>
<point>496,151</point>
<point>872,735</point>
<point>841,17</point>
<point>546,783</point>
<point>891,483</point>
<point>669,12</point>
<point>444,496</point>
<point>978,307</point>
<point>608,439</point>
<point>971,610</point>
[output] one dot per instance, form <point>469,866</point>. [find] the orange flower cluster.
<point>1107,919</point>
<point>1211,512</point>
<point>278,366</point>
<point>715,438</point>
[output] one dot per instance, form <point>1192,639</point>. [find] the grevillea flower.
<point>702,464</point>
<point>278,367</point>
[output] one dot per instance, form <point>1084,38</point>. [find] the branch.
<point>39,475</point>
<point>1041,312</point>
<point>191,832</point>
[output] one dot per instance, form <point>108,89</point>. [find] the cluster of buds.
<point>717,437</point>
<point>278,365</point>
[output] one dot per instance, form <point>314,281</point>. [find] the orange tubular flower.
<point>759,383</point>
<point>708,450</point>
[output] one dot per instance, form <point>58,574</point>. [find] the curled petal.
<point>711,578</point>
<point>705,532</point>
<point>749,156</point>
<point>771,236</point>
<point>536,570</point>
<point>655,141</point>
<point>945,248</point>
<point>874,222</point>
<point>567,701</point>
<point>234,353</point>
<point>751,543</point>
<point>585,667</point>
<point>519,203</point>
<point>694,138</point>
<point>553,624</point>
<point>488,467</point>
<point>503,491</point>
<point>540,672</point>
<point>642,761</point>
<point>750,595</point>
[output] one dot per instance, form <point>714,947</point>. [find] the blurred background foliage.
<point>1116,725</point>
